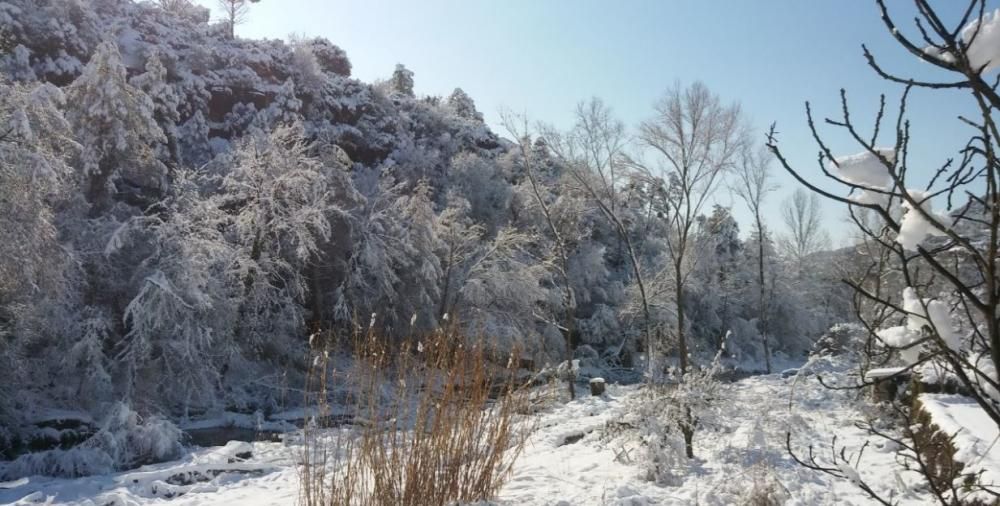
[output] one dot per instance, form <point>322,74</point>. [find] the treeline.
<point>181,209</point>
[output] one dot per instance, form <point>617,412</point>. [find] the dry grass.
<point>434,422</point>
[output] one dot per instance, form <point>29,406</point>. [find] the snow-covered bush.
<point>329,57</point>
<point>131,440</point>
<point>669,415</point>
<point>758,486</point>
<point>70,463</point>
<point>842,339</point>
<point>125,440</point>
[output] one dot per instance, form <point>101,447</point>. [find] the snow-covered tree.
<point>35,148</point>
<point>694,139</point>
<point>395,272</point>
<point>489,282</point>
<point>185,302</point>
<point>562,232</point>
<point>114,123</point>
<point>593,153</point>
<point>401,81</point>
<point>480,182</point>
<point>669,416</point>
<point>307,71</point>
<point>35,181</point>
<point>235,12</point>
<point>753,183</point>
<point>463,105</point>
<point>722,277</point>
<point>278,197</point>
<point>166,102</point>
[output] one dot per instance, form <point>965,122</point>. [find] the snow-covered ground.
<point>603,469</point>
<point>571,458</point>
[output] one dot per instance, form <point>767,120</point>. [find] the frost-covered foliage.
<point>670,416</point>
<point>402,81</point>
<point>35,181</point>
<point>180,209</point>
<point>35,178</point>
<point>114,124</point>
<point>125,440</point>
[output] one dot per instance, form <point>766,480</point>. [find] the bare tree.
<point>518,129</point>
<point>593,152</point>
<point>236,12</point>
<point>694,139</point>
<point>752,184</point>
<point>801,214</point>
<point>947,263</point>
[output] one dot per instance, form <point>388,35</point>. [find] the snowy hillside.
<point>232,272</point>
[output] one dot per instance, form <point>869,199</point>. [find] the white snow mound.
<point>865,169</point>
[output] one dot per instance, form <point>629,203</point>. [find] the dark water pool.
<point>219,436</point>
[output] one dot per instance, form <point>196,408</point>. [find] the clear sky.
<point>541,57</point>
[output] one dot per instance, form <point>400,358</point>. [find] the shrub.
<point>434,422</point>
<point>124,441</point>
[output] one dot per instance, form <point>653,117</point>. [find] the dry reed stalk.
<point>435,422</point>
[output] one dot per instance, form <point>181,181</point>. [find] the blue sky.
<point>541,57</point>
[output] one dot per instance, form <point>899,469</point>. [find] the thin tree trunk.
<point>445,291</point>
<point>761,294</point>
<point>687,428</point>
<point>563,270</point>
<point>316,298</point>
<point>682,350</point>
<point>570,325</point>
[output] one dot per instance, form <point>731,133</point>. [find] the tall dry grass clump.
<point>432,421</point>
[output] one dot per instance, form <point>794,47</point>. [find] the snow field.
<point>580,453</point>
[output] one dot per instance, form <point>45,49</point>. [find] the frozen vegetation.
<point>206,239</point>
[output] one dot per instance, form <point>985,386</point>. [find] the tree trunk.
<point>446,290</point>
<point>564,269</point>
<point>316,298</point>
<point>689,443</point>
<point>571,376</point>
<point>687,428</point>
<point>97,189</point>
<point>761,295</point>
<point>682,350</point>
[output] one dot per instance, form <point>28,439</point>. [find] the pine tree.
<point>236,12</point>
